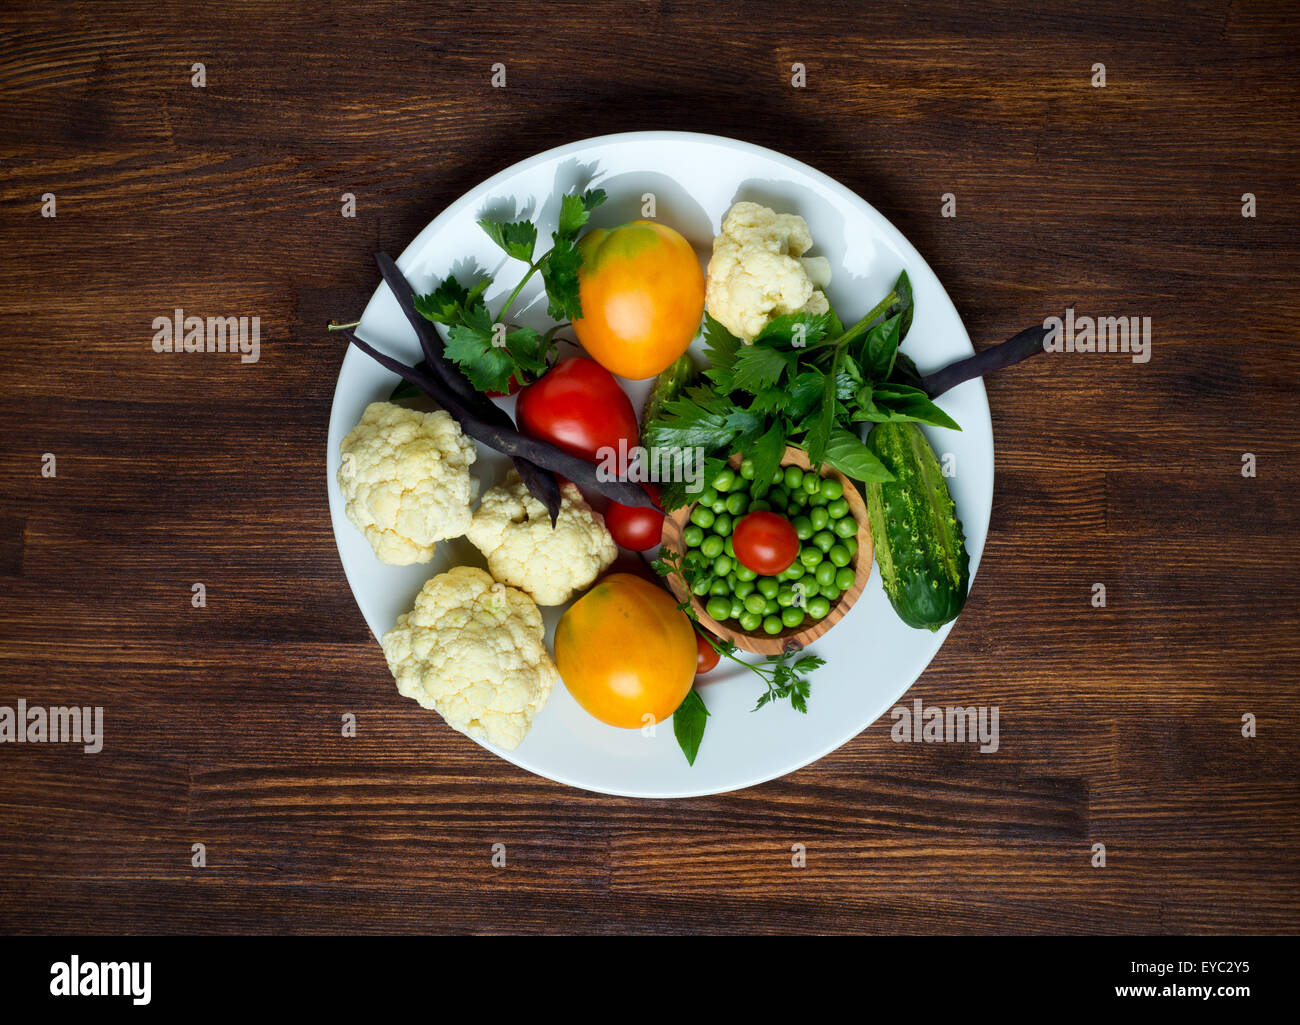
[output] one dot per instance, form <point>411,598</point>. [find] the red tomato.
<point>635,527</point>
<point>765,543</point>
<point>578,406</point>
<point>706,655</point>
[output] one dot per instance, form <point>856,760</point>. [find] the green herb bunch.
<point>805,381</point>
<point>485,347</point>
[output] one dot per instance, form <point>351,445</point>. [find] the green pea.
<point>778,494</point>
<point>823,539</point>
<point>791,617</point>
<point>728,548</point>
<point>818,499</point>
<point>812,484</point>
<point>719,608</point>
<point>805,587</point>
<point>747,469</point>
<point>719,506</point>
<point>750,621</point>
<point>810,556</point>
<point>785,597</point>
<point>708,496</point>
<point>755,603</point>
<point>831,594</point>
<point>851,543</point>
<point>803,528</point>
<point>772,625</point>
<point>722,565</point>
<point>768,587</point>
<point>737,607</point>
<point>838,508</point>
<point>793,477</point>
<point>719,588</point>
<point>792,572</point>
<point>770,607</point>
<point>737,503</point>
<point>825,574</point>
<point>742,588</point>
<point>832,489</point>
<point>743,573</point>
<point>818,608</point>
<point>845,527</point>
<point>692,535</point>
<point>702,516</point>
<point>711,546</point>
<point>839,555</point>
<point>701,586</point>
<point>722,524</point>
<point>760,506</point>
<point>844,578</point>
<point>816,516</point>
<point>725,480</point>
<point>778,475</point>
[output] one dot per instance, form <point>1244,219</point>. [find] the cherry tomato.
<point>765,542</point>
<point>636,527</point>
<point>706,656</point>
<point>578,406</point>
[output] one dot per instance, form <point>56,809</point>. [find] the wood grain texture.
<point>1120,725</point>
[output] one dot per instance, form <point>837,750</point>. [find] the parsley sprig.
<point>483,344</point>
<point>804,381</point>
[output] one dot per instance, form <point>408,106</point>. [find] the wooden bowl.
<point>790,639</point>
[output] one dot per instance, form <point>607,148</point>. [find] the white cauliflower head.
<point>756,272</point>
<point>405,478</point>
<point>472,650</point>
<point>513,531</point>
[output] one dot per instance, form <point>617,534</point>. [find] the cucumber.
<point>920,548</point>
<point>669,385</point>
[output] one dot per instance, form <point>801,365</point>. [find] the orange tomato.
<point>642,293</point>
<point>626,651</point>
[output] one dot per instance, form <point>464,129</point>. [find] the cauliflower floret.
<point>513,531</point>
<point>405,478</point>
<point>472,650</point>
<point>756,272</point>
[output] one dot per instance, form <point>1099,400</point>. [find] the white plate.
<point>872,657</point>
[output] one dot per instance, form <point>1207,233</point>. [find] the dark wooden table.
<point>1120,725</point>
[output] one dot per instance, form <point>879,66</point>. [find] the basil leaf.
<point>688,725</point>
<point>913,405</point>
<point>904,308</point>
<point>880,347</point>
<point>846,453</point>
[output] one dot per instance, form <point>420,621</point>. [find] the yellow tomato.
<point>626,652</point>
<point>642,293</point>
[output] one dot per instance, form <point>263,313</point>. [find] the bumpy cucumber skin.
<point>920,549</point>
<point>669,385</point>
